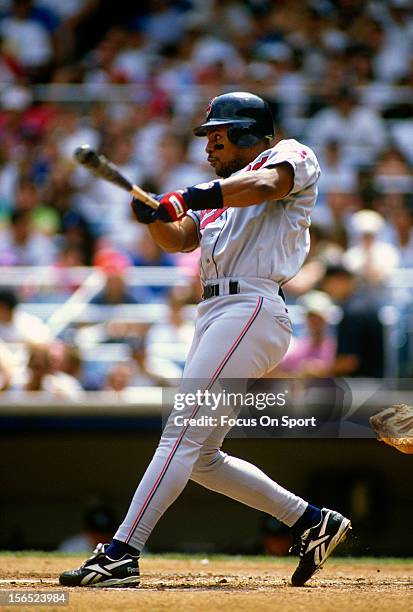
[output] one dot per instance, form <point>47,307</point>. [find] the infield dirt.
<point>231,584</point>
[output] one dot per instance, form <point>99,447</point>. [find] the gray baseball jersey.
<point>270,240</point>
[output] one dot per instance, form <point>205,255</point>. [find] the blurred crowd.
<point>132,80</point>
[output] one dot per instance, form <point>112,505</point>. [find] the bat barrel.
<point>86,156</point>
<point>104,169</point>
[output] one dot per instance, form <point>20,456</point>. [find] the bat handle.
<point>139,193</point>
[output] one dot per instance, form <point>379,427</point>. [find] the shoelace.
<point>299,545</point>
<point>99,549</point>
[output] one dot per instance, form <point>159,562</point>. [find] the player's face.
<point>223,155</point>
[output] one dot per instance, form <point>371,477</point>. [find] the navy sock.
<point>311,517</point>
<point>117,549</point>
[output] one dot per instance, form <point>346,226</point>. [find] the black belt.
<point>213,290</point>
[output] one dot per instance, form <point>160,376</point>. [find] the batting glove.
<point>142,212</point>
<point>172,207</point>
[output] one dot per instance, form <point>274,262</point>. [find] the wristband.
<point>205,196</point>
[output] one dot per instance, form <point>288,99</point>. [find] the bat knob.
<point>83,154</point>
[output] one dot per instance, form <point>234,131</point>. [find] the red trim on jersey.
<point>209,216</point>
<point>258,165</point>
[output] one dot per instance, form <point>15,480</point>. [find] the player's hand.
<point>142,212</point>
<point>172,208</point>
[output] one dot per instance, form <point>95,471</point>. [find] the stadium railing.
<point>79,285</point>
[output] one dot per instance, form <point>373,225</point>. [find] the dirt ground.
<point>231,584</point>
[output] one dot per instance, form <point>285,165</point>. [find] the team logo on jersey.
<point>209,216</point>
<point>208,110</point>
<point>257,165</point>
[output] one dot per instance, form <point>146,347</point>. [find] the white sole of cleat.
<point>116,583</point>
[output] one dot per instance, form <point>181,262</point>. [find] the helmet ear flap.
<point>242,136</point>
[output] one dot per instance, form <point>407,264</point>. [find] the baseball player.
<point>253,228</point>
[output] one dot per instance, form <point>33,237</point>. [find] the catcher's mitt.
<point>394,426</point>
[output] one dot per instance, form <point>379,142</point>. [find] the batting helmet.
<point>248,116</point>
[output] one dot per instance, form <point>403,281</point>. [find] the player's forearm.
<point>167,235</point>
<point>172,237</point>
<point>245,189</point>
<point>255,187</point>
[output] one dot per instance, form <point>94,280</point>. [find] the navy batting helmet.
<point>248,116</point>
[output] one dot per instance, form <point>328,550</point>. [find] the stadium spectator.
<point>66,366</point>
<point>9,174</point>
<point>163,23</point>
<point>28,39</point>
<point>338,174</point>
<point>173,168</point>
<point>360,334</point>
<point>393,41</point>
<point>402,133</point>
<point>173,337</point>
<point>118,378</point>
<point>392,173</point>
<point>41,376</point>
<point>146,253</point>
<point>38,368</point>
<point>360,130</point>
<point>74,131</point>
<point>28,198</point>
<point>148,371</point>
<point>111,203</point>
<point>71,362</point>
<point>323,251</point>
<point>99,523</point>
<point>135,58</point>
<point>400,231</point>
<point>10,69</point>
<point>335,216</point>
<point>311,354</point>
<point>275,537</point>
<point>151,118</point>
<point>22,245</point>
<point>78,239</point>
<point>114,264</point>
<point>370,258</point>
<point>17,325</point>
<point>114,292</point>
<point>8,365</point>
<point>103,68</point>
<point>71,15</point>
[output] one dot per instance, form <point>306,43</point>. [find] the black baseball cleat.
<point>317,544</point>
<point>102,571</point>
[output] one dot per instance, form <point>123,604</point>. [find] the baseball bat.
<point>100,166</point>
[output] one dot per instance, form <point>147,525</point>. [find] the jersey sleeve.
<point>302,159</point>
<point>195,215</point>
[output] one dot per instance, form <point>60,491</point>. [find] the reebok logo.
<point>109,566</point>
<point>117,563</point>
<point>317,542</point>
<point>96,568</point>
